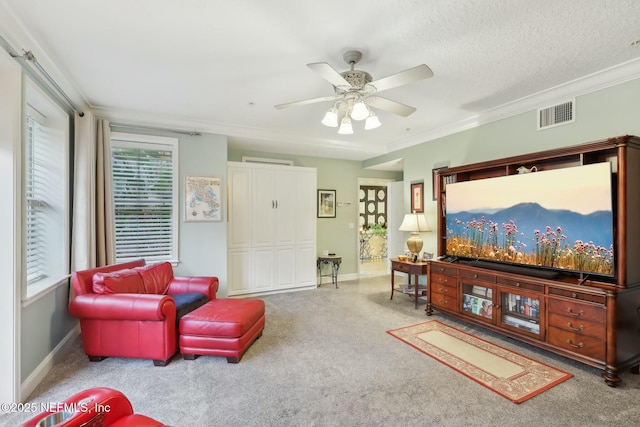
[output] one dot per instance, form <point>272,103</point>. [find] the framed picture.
<point>417,197</point>
<point>436,182</point>
<point>202,197</point>
<point>326,203</point>
<point>426,256</point>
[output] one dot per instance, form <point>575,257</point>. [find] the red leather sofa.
<point>129,309</point>
<point>95,407</point>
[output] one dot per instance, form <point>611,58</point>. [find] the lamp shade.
<point>345,126</point>
<point>372,121</point>
<point>331,118</point>
<point>360,111</point>
<point>414,222</point>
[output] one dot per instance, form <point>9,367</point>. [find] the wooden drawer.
<point>485,277</point>
<point>445,288</point>
<point>441,279</point>
<point>447,301</point>
<point>576,343</point>
<point>578,326</point>
<point>399,266</point>
<point>521,284</point>
<point>576,310</point>
<point>600,299</point>
<point>444,269</point>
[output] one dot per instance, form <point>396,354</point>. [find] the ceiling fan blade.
<point>306,102</point>
<point>390,106</point>
<point>411,75</point>
<point>328,73</point>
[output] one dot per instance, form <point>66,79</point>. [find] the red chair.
<point>132,318</point>
<point>95,407</point>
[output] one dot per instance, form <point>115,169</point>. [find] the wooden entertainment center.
<point>592,321</point>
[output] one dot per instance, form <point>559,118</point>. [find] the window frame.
<point>56,268</point>
<point>150,142</point>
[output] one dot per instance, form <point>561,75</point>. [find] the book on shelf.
<point>523,305</point>
<point>479,290</point>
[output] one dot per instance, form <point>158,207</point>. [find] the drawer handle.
<point>475,276</point>
<point>579,345</point>
<point>443,290</point>
<point>574,295</point>
<point>578,329</point>
<point>496,306</point>
<point>441,269</point>
<point>517,284</point>
<point>441,301</point>
<point>571,312</point>
<point>444,280</point>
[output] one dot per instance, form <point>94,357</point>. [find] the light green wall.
<point>334,234</point>
<point>44,324</point>
<point>603,114</point>
<point>202,245</point>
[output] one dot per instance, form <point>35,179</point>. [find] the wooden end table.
<point>415,269</point>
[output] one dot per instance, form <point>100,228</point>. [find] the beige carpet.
<point>509,374</point>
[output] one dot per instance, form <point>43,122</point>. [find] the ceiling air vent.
<point>557,115</point>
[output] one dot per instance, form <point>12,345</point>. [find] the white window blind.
<point>145,190</point>
<point>36,190</point>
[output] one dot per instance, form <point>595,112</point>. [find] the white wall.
<point>10,126</point>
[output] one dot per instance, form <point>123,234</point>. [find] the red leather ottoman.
<point>222,327</point>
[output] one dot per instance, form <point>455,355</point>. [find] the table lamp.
<point>414,223</point>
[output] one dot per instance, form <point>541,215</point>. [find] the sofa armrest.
<point>122,306</point>
<point>200,284</point>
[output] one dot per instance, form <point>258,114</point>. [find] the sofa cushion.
<point>187,302</point>
<point>156,277</point>
<point>126,281</point>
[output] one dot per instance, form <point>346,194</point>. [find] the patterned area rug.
<point>509,374</point>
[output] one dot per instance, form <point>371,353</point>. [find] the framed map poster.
<point>202,198</point>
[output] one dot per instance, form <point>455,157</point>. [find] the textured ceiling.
<point>221,66</point>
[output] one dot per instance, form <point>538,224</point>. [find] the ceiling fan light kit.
<point>372,121</point>
<point>354,94</point>
<point>345,126</point>
<point>331,118</point>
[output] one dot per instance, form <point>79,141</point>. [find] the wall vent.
<point>557,115</point>
<point>265,161</point>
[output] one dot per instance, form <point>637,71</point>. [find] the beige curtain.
<point>105,222</point>
<point>93,236</point>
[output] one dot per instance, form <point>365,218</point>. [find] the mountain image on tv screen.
<point>557,219</point>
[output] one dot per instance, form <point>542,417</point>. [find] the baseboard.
<point>347,277</point>
<point>38,374</point>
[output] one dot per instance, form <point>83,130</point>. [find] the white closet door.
<point>240,207</point>
<point>286,208</point>
<point>263,207</point>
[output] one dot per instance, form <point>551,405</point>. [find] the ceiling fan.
<point>356,93</point>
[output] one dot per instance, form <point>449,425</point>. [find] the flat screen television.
<point>558,220</point>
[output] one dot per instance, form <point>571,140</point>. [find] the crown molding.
<point>603,79</point>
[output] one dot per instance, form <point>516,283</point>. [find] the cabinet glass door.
<point>521,311</point>
<point>477,300</point>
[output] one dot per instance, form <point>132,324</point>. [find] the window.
<point>145,190</point>
<point>45,191</point>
